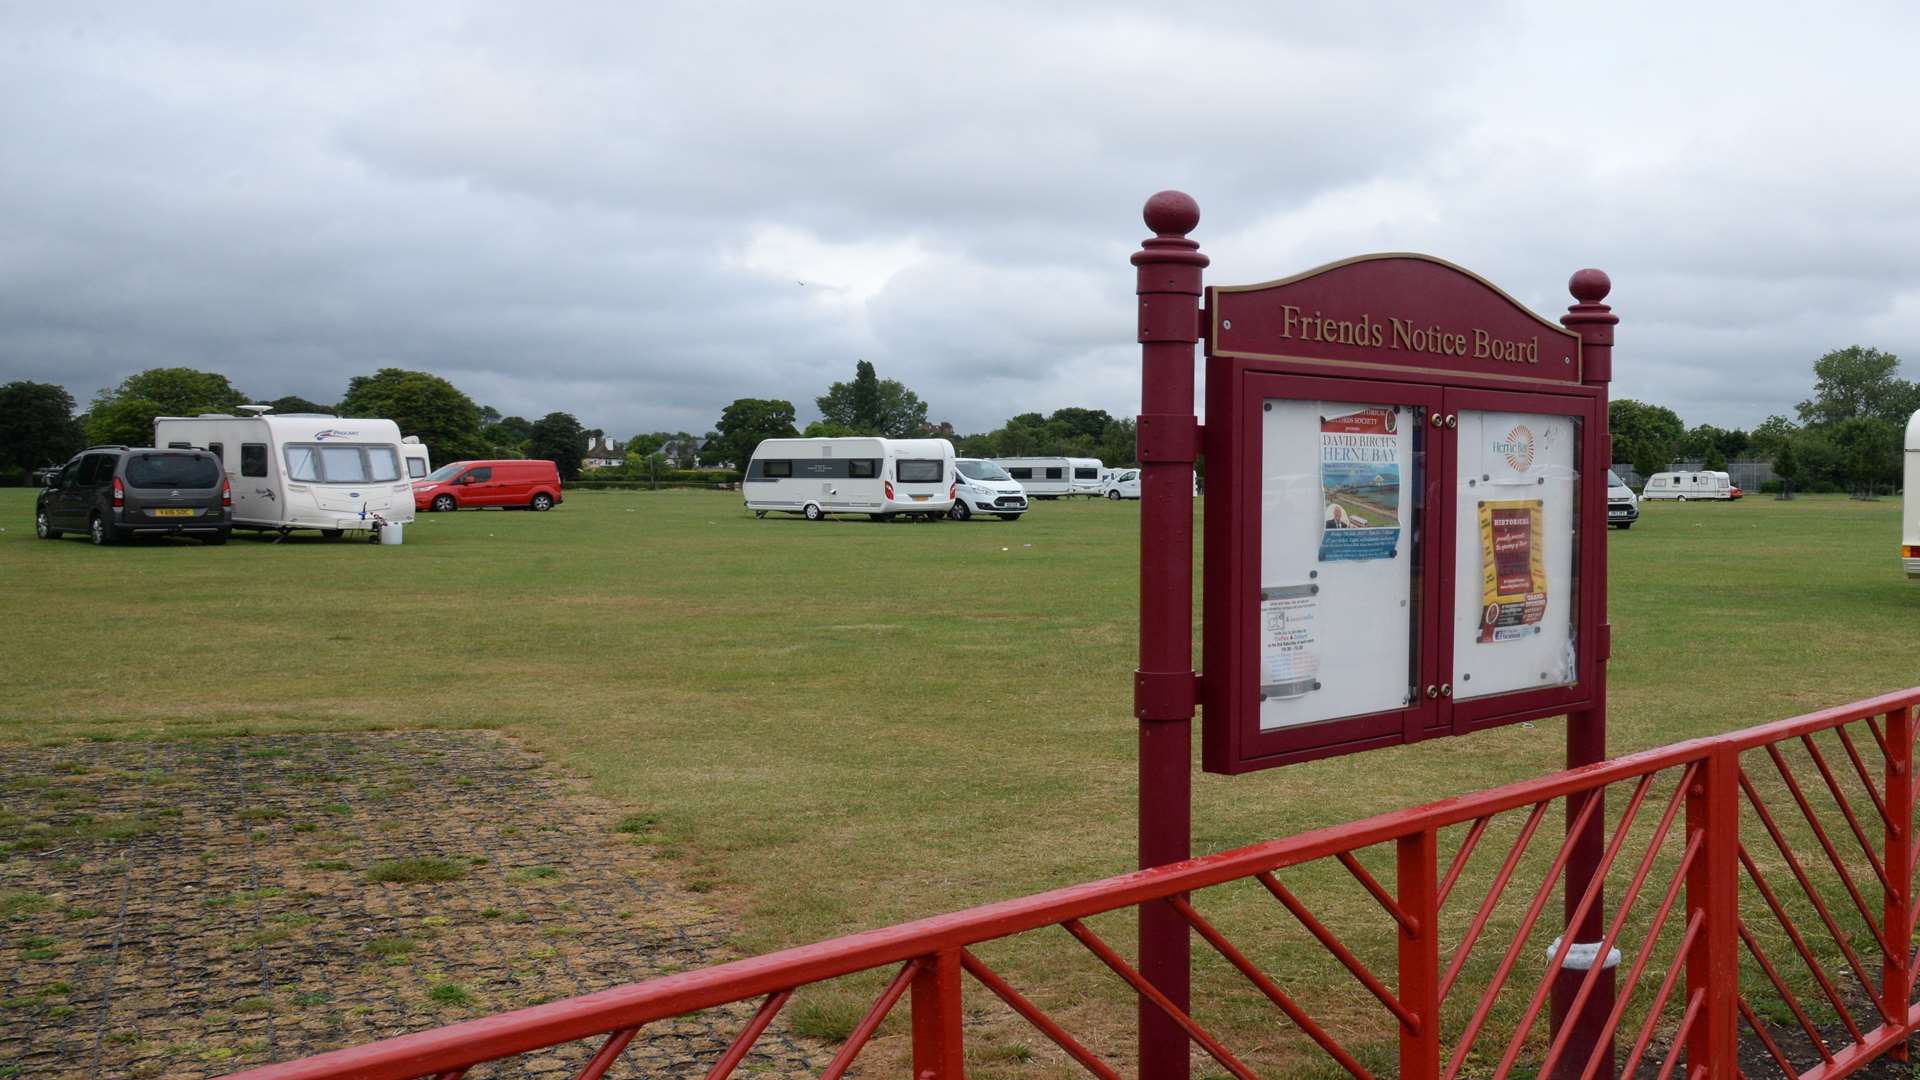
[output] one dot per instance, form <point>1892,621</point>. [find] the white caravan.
<point>1910,528</point>
<point>302,470</point>
<point>881,478</point>
<point>1056,477</point>
<point>415,453</point>
<point>1682,486</point>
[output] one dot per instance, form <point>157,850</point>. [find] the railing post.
<point>1169,269</point>
<point>1897,907</point>
<point>1713,897</point>
<point>938,1052</point>
<point>1419,957</point>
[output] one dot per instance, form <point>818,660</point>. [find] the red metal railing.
<point>1695,868</point>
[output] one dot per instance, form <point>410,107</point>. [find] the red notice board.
<point>1406,489</point>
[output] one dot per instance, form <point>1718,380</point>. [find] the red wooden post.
<point>938,1052</point>
<point>1419,957</point>
<point>1164,686</point>
<point>1897,905</point>
<point>1713,897</point>
<point>1587,729</point>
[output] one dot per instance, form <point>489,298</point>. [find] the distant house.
<point>604,453</point>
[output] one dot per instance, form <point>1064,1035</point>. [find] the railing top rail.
<point>484,1039</point>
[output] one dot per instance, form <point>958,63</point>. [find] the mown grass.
<point>843,725</point>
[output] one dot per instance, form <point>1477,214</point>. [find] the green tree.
<point>1869,452</point>
<point>1786,467</point>
<point>1854,381</point>
<point>37,426</point>
<point>743,425</point>
<point>827,429</point>
<point>1713,460</point>
<point>865,399</point>
<point>1648,459</point>
<point>559,438</point>
<point>507,435</point>
<point>1773,433</point>
<point>1643,434</point>
<point>870,405</point>
<point>125,413</point>
<point>293,403</point>
<point>422,404</point>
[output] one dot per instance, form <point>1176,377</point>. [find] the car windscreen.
<point>446,472</point>
<point>172,471</point>
<point>342,463</point>
<point>981,470</point>
<point>1613,479</point>
<point>919,471</point>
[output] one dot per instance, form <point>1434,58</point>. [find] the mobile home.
<point>1682,486</point>
<point>1056,477</point>
<point>419,464</point>
<point>881,478</point>
<point>302,471</point>
<point>1910,497</point>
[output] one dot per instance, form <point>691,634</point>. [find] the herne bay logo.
<point>1516,447</point>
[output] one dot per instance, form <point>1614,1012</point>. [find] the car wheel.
<point>216,539</point>
<point>1625,525</point>
<point>543,502</point>
<point>1114,495</point>
<point>813,512</point>
<point>961,511</point>
<point>100,532</point>
<point>442,503</point>
<point>42,529</point>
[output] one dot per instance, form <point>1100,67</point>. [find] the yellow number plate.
<point>174,511</point>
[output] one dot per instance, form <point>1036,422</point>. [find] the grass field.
<point>847,724</point>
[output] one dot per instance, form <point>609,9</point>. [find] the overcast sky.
<point>609,208</point>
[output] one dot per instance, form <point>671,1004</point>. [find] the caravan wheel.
<point>759,514</point>
<point>813,512</point>
<point>1683,498</point>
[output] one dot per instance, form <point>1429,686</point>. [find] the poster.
<point>1513,587</point>
<point>1289,651</point>
<point>1360,485</point>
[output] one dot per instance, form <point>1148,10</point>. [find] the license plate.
<point>921,498</point>
<point>173,511</point>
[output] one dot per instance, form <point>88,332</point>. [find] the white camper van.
<point>302,470</point>
<point>881,478</point>
<point>1910,529</point>
<point>1682,486</point>
<point>981,487</point>
<point>415,453</point>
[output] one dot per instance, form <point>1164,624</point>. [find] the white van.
<point>881,478</point>
<point>1124,484</point>
<point>981,487</point>
<point>1910,527</point>
<point>415,452</point>
<point>302,470</point>
<point>1055,477</point>
<point>1682,486</point>
<point>1622,508</point>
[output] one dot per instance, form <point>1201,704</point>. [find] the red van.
<point>530,484</point>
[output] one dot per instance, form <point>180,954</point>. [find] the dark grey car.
<point>112,493</point>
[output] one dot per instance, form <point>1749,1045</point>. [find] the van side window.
<point>863,468</point>
<point>774,469</point>
<point>475,476</point>
<point>96,469</point>
<point>218,450</point>
<point>253,459</point>
<point>1054,474</point>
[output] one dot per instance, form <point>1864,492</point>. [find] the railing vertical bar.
<point>1826,845</point>
<point>1152,993</point>
<point>870,1023</point>
<point>1689,940</point>
<point>1791,1000</point>
<point>1415,858</point>
<point>1499,886</point>
<point>1032,1014</point>
<point>1459,863</point>
<point>1713,897</point>
<point>1860,769</point>
<point>743,1042</point>
<point>935,1000</point>
<point>1897,908</point>
<point>1799,941</point>
<point>1846,808</point>
<point>1341,952</point>
<point>1766,1040</point>
<point>609,1053</point>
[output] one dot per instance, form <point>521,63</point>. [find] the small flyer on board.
<point>1360,485</point>
<point>1289,652</point>
<point>1513,568</point>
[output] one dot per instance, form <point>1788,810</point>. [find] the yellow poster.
<point>1513,591</point>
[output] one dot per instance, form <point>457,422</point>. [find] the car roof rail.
<point>106,446</point>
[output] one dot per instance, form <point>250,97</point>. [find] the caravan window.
<point>1056,474</point>
<point>1021,473</point>
<point>774,470</point>
<point>416,468</point>
<point>342,463</point>
<point>1081,472</point>
<point>253,459</point>
<point>920,471</point>
<point>218,450</point>
<point>863,468</point>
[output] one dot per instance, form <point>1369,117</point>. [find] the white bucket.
<point>390,533</point>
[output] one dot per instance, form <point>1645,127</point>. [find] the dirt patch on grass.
<point>186,909</point>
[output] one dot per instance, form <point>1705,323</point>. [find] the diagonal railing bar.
<point>1695,927</point>
<point>1499,981</point>
<point>1826,845</point>
<point>452,1074</point>
<point>1787,995</point>
<point>743,1043</point>
<point>1800,945</point>
<point>1866,780</point>
<point>1160,1001</point>
<point>1687,1020</point>
<point>1846,810</point>
<point>1630,897</point>
<point>1587,898</point>
<point>1459,862</point>
<point>1879,736</point>
<point>1766,1040</point>
<point>1340,951</point>
<point>990,979</point>
<point>1407,922</point>
<point>1840,938</point>
<point>1494,892</point>
<point>1603,1043</point>
<point>609,1053</point>
<point>1267,986</point>
<point>870,1023</point>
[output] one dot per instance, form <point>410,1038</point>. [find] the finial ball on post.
<point>1171,213</point>
<point>1589,286</point>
